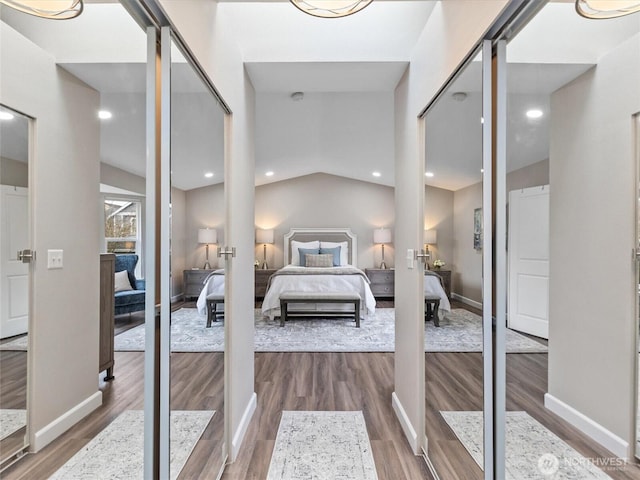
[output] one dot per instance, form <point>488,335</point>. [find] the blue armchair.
<point>130,300</point>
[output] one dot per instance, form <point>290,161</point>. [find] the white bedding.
<point>432,286</point>
<point>213,284</point>
<point>316,283</point>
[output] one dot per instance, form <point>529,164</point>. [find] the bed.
<point>214,283</point>
<point>433,286</point>
<point>303,244</point>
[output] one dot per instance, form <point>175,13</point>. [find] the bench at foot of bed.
<point>213,300</point>
<point>319,297</point>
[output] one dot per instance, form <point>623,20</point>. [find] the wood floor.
<point>327,381</point>
<point>322,381</point>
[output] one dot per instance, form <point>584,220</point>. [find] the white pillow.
<point>295,254</point>
<point>122,283</point>
<point>344,250</point>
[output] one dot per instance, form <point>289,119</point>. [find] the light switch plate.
<point>410,255</point>
<point>54,259</point>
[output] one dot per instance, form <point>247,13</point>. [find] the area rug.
<point>117,451</point>
<point>322,445</point>
<point>459,331</point>
<point>532,451</point>
<point>11,421</point>
<point>19,343</point>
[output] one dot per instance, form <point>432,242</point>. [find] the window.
<point>122,225</point>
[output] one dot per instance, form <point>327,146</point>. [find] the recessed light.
<point>104,115</point>
<point>534,113</point>
<point>208,174</point>
<point>376,174</point>
<point>428,174</point>
<point>269,173</point>
<point>6,116</point>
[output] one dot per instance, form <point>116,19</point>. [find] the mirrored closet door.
<point>197,273</point>
<point>15,280</point>
<point>569,180</point>
<point>454,331</point>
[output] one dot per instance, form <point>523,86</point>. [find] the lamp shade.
<point>52,9</point>
<point>382,235</point>
<point>207,235</point>
<point>264,236</point>
<point>431,237</point>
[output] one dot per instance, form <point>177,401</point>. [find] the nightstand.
<point>261,280</point>
<point>381,282</point>
<point>446,280</point>
<point>193,281</point>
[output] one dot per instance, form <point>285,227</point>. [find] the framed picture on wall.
<point>477,229</point>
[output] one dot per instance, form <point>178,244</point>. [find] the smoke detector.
<point>459,96</point>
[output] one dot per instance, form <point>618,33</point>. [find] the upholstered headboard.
<point>323,235</point>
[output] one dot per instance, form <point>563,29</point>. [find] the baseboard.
<point>64,422</point>
<point>405,423</point>
<point>177,298</point>
<point>242,428</point>
<point>466,301</point>
<point>597,432</point>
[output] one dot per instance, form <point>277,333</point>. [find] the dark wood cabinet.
<point>261,280</point>
<point>382,282</point>
<point>193,282</point>
<point>446,280</point>
<point>107,278</point>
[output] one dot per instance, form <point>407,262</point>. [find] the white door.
<point>14,276</point>
<point>528,254</point>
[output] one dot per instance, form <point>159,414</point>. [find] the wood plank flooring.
<point>454,382</point>
<point>327,381</point>
<point>322,381</point>
<point>197,384</point>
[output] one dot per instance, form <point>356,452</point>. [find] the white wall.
<point>203,25</point>
<point>322,200</point>
<point>64,188</point>
<point>304,202</point>
<point>438,215</point>
<point>13,172</point>
<point>453,29</point>
<point>592,344</point>
<point>467,262</point>
<point>204,209</point>
<point>116,177</point>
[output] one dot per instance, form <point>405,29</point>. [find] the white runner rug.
<point>117,451</point>
<point>322,446</point>
<point>11,420</point>
<point>459,331</point>
<point>532,451</point>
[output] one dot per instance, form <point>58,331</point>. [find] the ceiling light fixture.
<point>104,114</point>
<point>534,113</point>
<point>428,174</point>
<point>52,9</point>
<point>208,174</point>
<point>600,9</point>
<point>6,116</point>
<point>269,173</point>
<point>330,8</point>
<point>376,174</point>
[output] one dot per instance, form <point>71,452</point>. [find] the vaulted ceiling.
<point>347,69</point>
